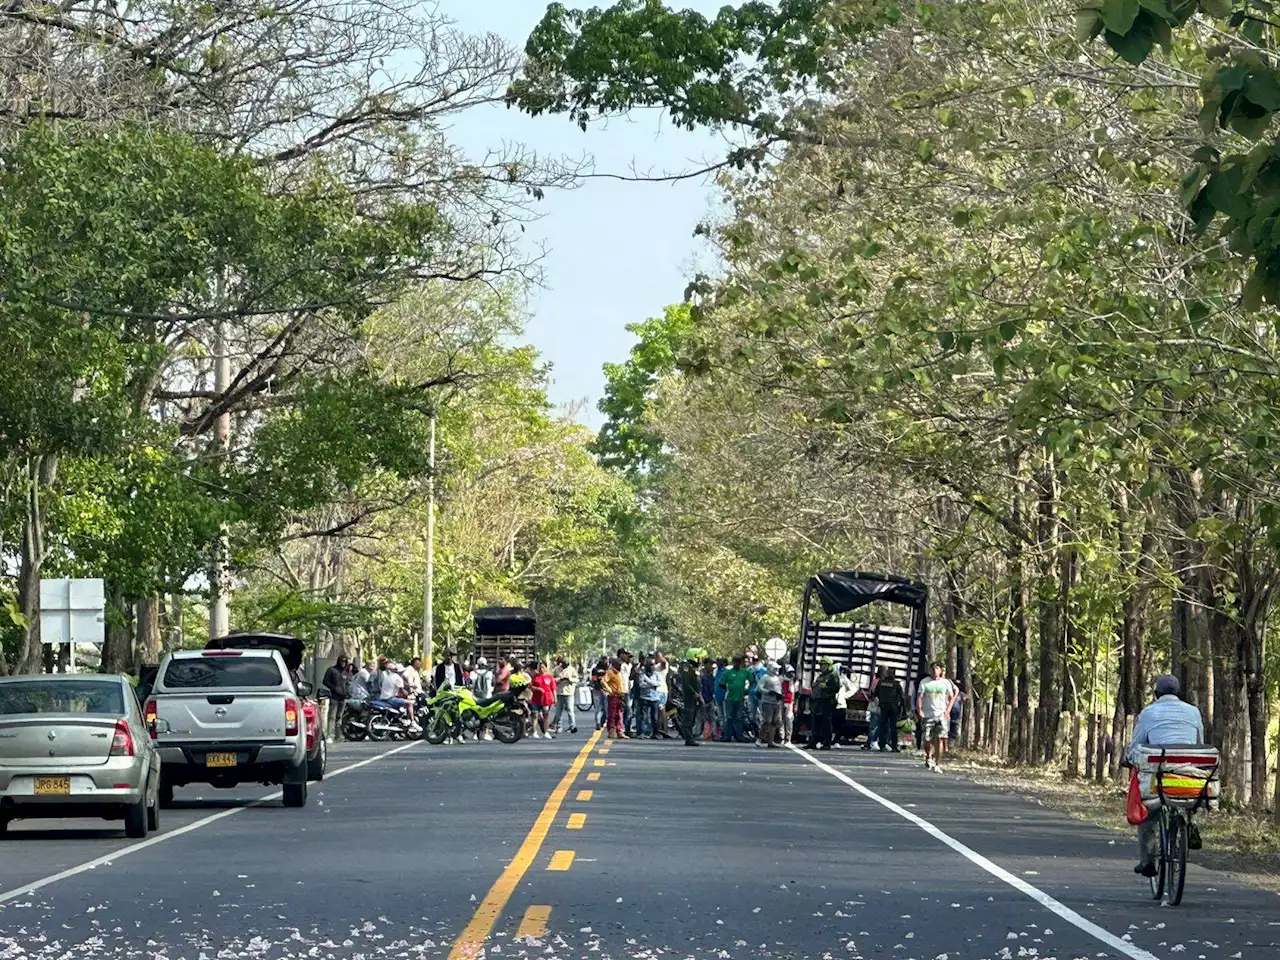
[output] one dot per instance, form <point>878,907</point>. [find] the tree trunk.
<point>42,470</point>
<point>149,629</point>
<point>1050,594</point>
<point>117,648</point>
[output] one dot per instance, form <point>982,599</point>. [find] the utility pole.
<point>220,607</point>
<point>428,586</point>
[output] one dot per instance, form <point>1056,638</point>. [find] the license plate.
<point>219,759</point>
<point>53,785</point>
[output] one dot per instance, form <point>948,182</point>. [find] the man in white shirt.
<point>412,678</point>
<point>359,689</point>
<point>626,669</point>
<point>933,706</point>
<point>393,688</point>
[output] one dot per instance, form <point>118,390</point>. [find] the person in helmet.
<point>690,695</point>
<point>823,703</point>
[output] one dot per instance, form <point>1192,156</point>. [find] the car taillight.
<point>122,741</point>
<point>291,717</point>
<point>149,717</point>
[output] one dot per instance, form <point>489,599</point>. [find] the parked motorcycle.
<point>455,710</point>
<point>390,721</point>
<point>355,720</point>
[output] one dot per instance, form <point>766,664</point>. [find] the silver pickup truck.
<point>226,717</point>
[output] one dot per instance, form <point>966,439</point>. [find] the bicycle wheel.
<point>1176,858</point>
<point>1157,882</point>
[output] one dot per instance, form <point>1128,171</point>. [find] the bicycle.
<point>1177,812</point>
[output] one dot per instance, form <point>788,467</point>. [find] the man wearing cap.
<point>1170,721</point>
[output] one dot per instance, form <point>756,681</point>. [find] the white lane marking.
<point>1036,894</point>
<point>29,888</point>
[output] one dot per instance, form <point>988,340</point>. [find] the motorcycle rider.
<point>361,687</point>
<point>393,691</point>
<point>690,695</point>
<point>413,678</point>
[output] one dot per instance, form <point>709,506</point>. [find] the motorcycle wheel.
<point>437,729</point>
<point>351,730</point>
<point>506,728</point>
<point>379,728</point>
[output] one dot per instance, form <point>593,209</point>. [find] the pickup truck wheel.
<point>4,826</point>
<point>166,793</point>
<point>295,794</point>
<point>315,766</point>
<point>135,819</point>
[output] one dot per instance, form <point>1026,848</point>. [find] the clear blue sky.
<point>617,252</point>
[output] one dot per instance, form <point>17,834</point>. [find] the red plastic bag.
<point>1135,810</point>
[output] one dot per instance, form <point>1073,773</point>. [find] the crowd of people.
<point>746,699</point>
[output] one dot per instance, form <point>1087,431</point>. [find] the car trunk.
<point>55,740</point>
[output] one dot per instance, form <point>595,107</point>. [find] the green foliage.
<point>1240,95</point>
<point>640,53</point>
<point>627,441</point>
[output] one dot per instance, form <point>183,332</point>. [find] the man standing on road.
<point>566,680</point>
<point>893,704</point>
<point>1168,721</point>
<point>770,688</point>
<point>447,673</point>
<point>690,696</point>
<point>335,681</point>
<point>933,706</point>
<point>823,701</point>
<point>737,683</point>
<point>707,705</point>
<point>502,678</point>
<point>627,672</point>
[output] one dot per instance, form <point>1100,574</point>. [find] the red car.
<point>291,649</point>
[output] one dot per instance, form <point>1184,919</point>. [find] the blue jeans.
<point>602,709</point>
<point>735,716</point>
<point>564,704</point>
<point>647,718</point>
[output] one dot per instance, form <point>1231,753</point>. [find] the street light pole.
<point>220,607</point>
<point>428,587</point>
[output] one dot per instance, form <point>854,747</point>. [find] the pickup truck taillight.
<point>122,741</point>
<point>149,717</point>
<point>291,710</point>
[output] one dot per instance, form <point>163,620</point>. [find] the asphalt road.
<point>716,852</point>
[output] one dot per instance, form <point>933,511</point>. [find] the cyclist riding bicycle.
<point>1167,721</point>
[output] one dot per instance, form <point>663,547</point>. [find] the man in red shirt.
<point>544,697</point>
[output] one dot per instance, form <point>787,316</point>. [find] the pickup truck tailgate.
<point>222,716</point>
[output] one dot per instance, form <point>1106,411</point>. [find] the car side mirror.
<point>305,689</point>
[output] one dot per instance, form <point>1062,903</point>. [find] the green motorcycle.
<point>455,710</point>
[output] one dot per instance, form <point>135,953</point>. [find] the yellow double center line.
<point>473,936</point>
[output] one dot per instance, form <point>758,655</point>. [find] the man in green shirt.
<point>737,682</point>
